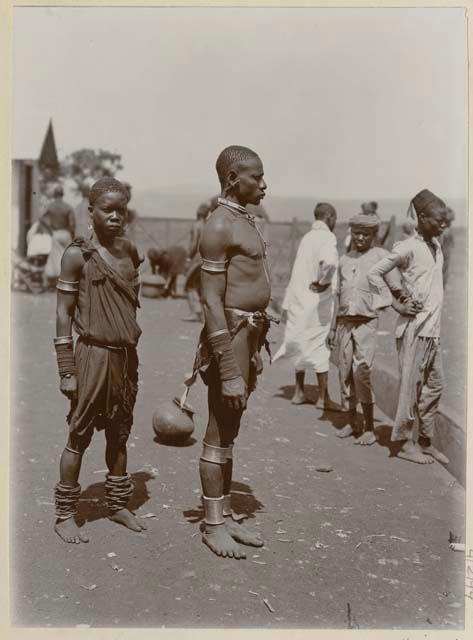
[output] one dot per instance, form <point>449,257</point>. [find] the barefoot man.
<point>308,305</point>
<point>420,262</point>
<point>355,323</point>
<point>235,293</point>
<point>98,294</point>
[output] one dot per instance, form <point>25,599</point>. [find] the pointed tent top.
<point>29,144</point>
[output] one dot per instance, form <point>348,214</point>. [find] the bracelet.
<point>222,350</point>
<point>220,332</point>
<point>63,340</point>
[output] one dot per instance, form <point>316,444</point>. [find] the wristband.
<point>65,356</point>
<point>221,348</point>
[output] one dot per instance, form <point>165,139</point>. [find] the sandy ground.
<point>365,545</point>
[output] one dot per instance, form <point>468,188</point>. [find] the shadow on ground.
<point>243,501</point>
<point>92,505</point>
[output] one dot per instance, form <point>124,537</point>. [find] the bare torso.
<point>248,286</point>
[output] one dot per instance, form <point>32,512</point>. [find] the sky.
<point>340,102</point>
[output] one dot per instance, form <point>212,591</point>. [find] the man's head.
<point>203,210</point>
<point>241,175</point>
<point>58,191</point>
<point>108,199</point>
<point>328,214</point>
<point>432,214</point>
<point>363,229</point>
<point>369,207</point>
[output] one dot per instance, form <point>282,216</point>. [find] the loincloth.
<point>107,384</point>
<point>251,328</point>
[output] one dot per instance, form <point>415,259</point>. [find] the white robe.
<point>309,314</point>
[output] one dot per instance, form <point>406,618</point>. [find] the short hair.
<point>58,191</point>
<point>324,210</point>
<point>107,185</point>
<point>230,157</point>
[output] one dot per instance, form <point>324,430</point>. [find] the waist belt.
<point>96,343</point>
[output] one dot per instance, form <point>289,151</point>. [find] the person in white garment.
<point>308,305</point>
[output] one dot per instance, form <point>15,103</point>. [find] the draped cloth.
<point>105,354</point>
<point>309,314</point>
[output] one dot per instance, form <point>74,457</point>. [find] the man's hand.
<point>331,338</point>
<point>408,308</point>
<point>68,386</point>
<point>258,362</point>
<point>235,393</point>
<point>318,288</point>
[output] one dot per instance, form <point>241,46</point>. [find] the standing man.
<point>132,215</point>
<point>308,305</point>
<point>235,293</point>
<point>355,323</point>
<point>420,262</point>
<point>59,220</point>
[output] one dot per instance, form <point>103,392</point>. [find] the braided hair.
<point>107,185</point>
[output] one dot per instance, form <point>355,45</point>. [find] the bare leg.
<point>323,401</point>
<point>237,530</point>
<point>367,437</point>
<point>69,470</point>
<point>116,459</point>
<point>299,395</point>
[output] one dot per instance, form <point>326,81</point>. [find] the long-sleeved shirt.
<point>422,278</point>
<point>355,296</point>
<point>316,261</point>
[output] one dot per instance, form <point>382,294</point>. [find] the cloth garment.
<point>309,314</point>
<point>105,353</point>
<point>421,275</point>
<point>420,362</point>
<point>355,295</point>
<point>353,354</point>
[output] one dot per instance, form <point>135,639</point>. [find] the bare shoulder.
<point>72,263</point>
<point>217,233</point>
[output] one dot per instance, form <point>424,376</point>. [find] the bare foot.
<point>346,432</point>
<point>69,531</point>
<point>242,534</point>
<point>298,398</point>
<point>127,519</point>
<point>412,453</point>
<point>366,438</point>
<point>435,453</point>
<point>217,538</point>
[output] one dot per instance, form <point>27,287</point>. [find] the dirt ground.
<point>365,545</point>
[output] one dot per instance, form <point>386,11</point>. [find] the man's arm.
<point>328,262</point>
<point>67,293</point>
<point>215,245</point>
<point>378,279</point>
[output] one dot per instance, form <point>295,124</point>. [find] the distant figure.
<point>169,263</point>
<point>59,220</point>
<point>447,243</point>
<point>408,229</point>
<point>308,305</point>
<point>194,261</point>
<point>81,212</point>
<point>132,214</point>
